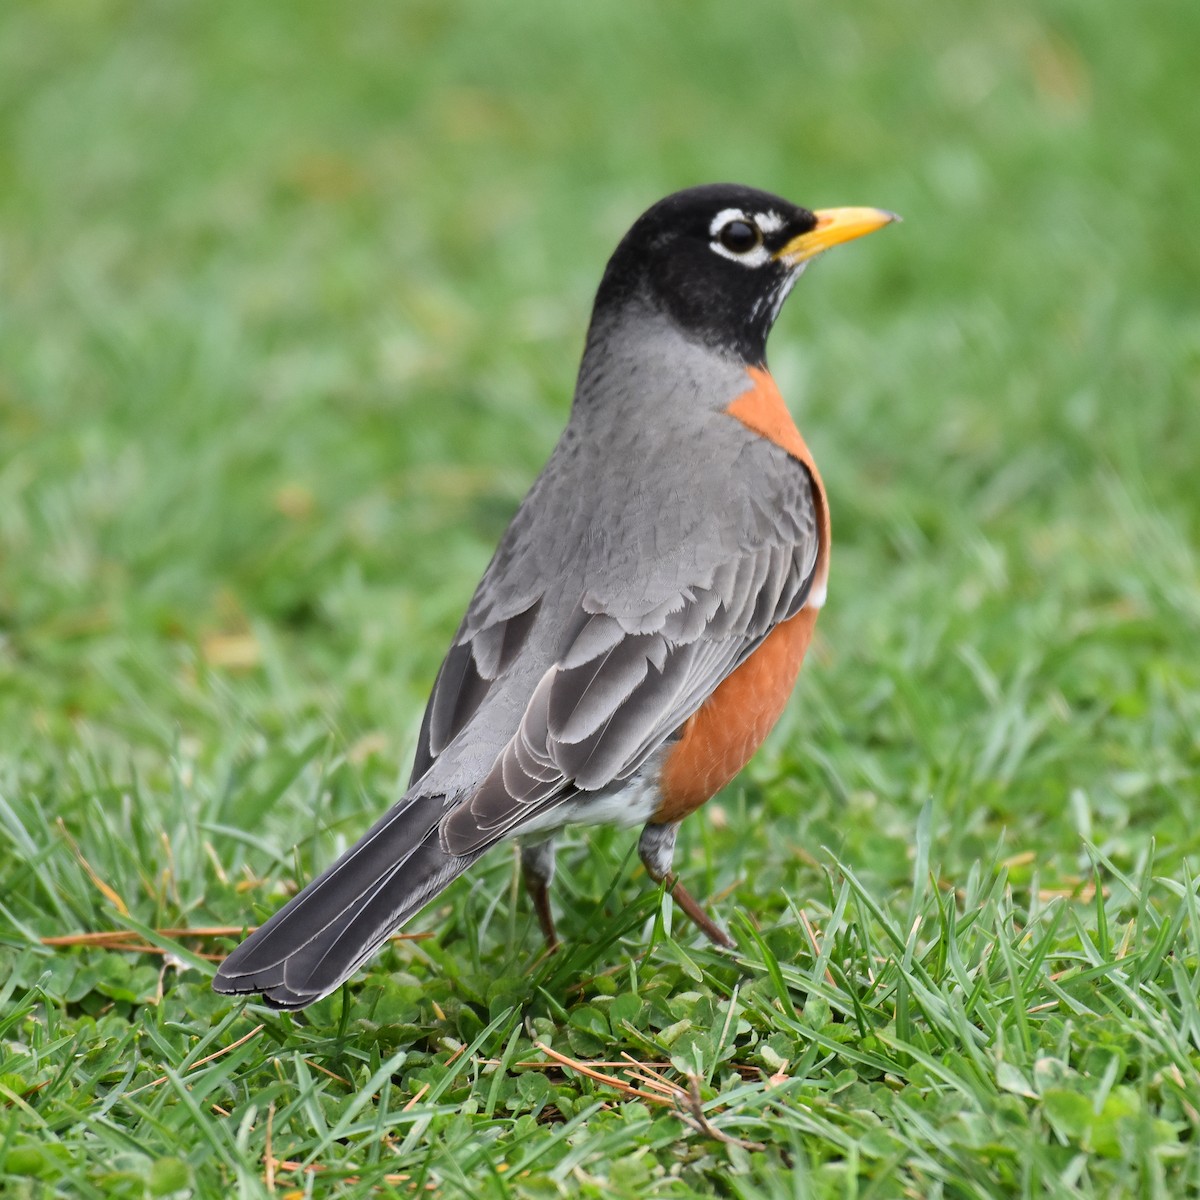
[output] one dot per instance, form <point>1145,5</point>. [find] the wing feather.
<point>617,691</point>
<point>584,697</point>
<point>603,623</point>
<point>471,668</point>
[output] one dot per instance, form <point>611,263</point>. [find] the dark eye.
<point>740,237</point>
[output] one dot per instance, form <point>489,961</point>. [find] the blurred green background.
<point>294,295</point>
<point>291,301</point>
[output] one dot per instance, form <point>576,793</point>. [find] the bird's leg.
<point>656,849</point>
<point>537,867</point>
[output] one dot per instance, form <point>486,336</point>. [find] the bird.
<point>645,615</point>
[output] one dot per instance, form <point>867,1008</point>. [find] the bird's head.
<point>720,260</point>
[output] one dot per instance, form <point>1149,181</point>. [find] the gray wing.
<point>473,665</point>
<point>625,679</point>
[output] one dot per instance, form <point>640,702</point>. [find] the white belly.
<point>634,804</point>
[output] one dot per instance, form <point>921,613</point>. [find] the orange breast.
<point>720,738</point>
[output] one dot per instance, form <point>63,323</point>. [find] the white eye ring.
<point>752,256</point>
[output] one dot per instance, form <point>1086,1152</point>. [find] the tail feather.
<point>321,937</point>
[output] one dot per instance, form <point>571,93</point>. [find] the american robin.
<point>642,623</point>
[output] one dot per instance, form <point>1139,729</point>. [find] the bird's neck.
<point>637,358</point>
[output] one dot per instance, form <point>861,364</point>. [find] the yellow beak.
<point>834,226</point>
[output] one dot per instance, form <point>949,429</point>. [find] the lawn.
<point>291,300</point>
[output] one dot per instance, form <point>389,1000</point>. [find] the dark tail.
<point>334,925</point>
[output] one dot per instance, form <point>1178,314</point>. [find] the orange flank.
<point>721,737</point>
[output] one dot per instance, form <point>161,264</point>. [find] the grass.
<point>292,300</point>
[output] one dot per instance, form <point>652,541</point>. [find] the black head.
<point>720,260</point>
